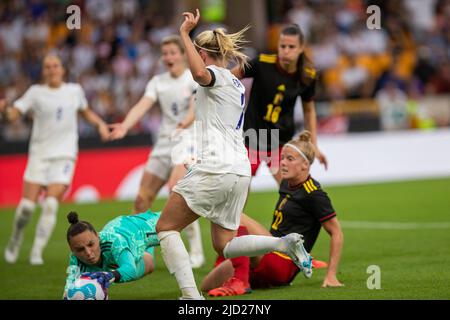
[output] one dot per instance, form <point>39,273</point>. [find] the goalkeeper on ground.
<point>122,251</point>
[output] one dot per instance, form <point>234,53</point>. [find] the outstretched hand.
<point>103,131</point>
<point>190,21</point>
<point>118,131</point>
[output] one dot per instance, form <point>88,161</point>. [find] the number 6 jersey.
<point>55,118</point>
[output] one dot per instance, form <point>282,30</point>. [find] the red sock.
<point>241,264</point>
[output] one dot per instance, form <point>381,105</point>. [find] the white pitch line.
<point>394,225</point>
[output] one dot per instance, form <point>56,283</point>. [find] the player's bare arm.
<point>92,118</point>
<point>120,130</point>
<point>198,68</point>
<point>333,228</point>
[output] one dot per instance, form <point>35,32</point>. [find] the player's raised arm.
<point>198,68</point>
<point>120,130</point>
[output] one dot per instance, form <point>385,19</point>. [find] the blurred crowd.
<point>406,59</point>
<point>116,51</point>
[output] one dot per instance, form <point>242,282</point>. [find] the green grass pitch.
<point>402,227</point>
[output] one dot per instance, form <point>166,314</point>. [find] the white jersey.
<point>55,127</point>
<point>173,95</point>
<point>219,113</point>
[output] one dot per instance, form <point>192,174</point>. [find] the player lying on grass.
<point>122,251</point>
<point>303,207</point>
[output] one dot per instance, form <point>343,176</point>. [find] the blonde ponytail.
<point>304,143</point>
<point>219,44</point>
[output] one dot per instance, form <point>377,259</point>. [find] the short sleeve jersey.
<point>272,99</point>
<point>219,112</point>
<point>301,209</point>
<point>134,233</point>
<point>55,119</point>
<point>173,95</point>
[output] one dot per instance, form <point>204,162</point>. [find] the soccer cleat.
<point>197,260</point>
<point>231,287</point>
<point>12,251</point>
<point>298,253</point>
<point>36,259</point>
<point>317,264</point>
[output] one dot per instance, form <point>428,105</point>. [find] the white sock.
<point>194,238</point>
<point>24,212</point>
<point>45,225</point>
<point>252,246</point>
<point>177,261</point>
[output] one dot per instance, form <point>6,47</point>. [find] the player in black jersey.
<point>277,82</point>
<point>303,207</point>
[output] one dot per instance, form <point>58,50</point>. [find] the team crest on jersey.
<point>237,83</point>
<point>311,72</point>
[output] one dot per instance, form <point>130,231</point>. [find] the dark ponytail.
<point>77,226</point>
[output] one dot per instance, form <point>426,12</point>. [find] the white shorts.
<point>168,153</point>
<point>218,197</point>
<point>49,171</point>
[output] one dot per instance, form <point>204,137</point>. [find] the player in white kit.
<point>174,91</point>
<point>52,153</point>
<point>216,185</point>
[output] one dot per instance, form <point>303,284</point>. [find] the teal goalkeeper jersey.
<point>123,242</point>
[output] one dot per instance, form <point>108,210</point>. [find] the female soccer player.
<point>174,91</point>
<point>277,82</point>
<point>303,207</point>
<point>216,185</point>
<point>52,151</point>
<point>123,251</point>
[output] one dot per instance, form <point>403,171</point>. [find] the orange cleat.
<point>317,264</point>
<point>231,287</point>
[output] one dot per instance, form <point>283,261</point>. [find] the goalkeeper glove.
<point>103,277</point>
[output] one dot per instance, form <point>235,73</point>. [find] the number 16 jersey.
<point>272,99</point>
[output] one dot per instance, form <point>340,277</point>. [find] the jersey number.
<point>174,109</point>
<point>59,113</point>
<point>274,109</point>
<point>273,114</point>
<point>278,219</point>
<point>242,113</point>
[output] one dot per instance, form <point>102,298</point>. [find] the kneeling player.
<point>121,252</point>
<point>303,207</point>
